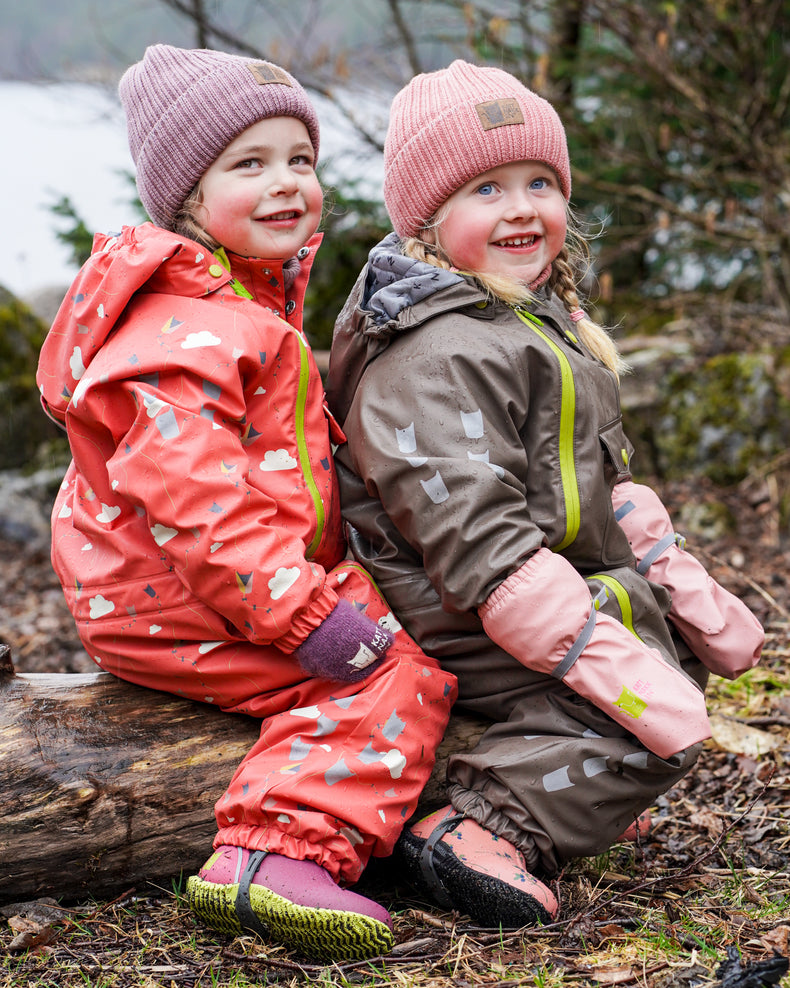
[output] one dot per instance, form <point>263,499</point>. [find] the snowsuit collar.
<point>397,294</point>
<point>395,284</point>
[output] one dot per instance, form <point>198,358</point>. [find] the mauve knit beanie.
<point>184,106</point>
<point>448,126</point>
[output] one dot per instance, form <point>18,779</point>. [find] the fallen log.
<point>105,786</point>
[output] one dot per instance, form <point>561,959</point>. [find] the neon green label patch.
<point>631,703</point>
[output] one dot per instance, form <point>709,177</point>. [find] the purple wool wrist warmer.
<point>346,646</point>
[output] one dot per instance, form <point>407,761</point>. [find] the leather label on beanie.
<point>265,73</point>
<point>499,113</point>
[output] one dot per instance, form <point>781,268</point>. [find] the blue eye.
<point>538,183</point>
<point>486,190</point>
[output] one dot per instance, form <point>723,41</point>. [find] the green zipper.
<point>570,487</point>
<point>299,417</point>
<point>623,600</point>
<point>301,443</point>
<point>234,283</point>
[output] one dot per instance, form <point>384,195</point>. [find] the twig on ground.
<point>748,580</point>
<point>663,881</point>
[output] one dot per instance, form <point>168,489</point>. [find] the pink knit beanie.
<point>184,106</point>
<point>448,126</point>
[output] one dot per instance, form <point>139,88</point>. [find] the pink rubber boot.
<point>464,867</point>
<point>638,830</point>
<point>296,903</point>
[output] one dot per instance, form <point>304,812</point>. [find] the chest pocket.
<point>617,450</point>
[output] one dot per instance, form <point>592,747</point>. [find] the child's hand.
<point>346,646</point>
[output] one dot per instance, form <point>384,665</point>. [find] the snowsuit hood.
<point>165,362</point>
<point>144,259</point>
<point>395,294</point>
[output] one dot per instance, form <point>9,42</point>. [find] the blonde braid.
<point>425,252</point>
<point>594,337</point>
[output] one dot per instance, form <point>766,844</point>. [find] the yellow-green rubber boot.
<point>294,903</point>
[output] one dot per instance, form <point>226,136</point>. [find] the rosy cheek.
<point>560,232</point>
<point>471,250</point>
<point>216,226</point>
<point>315,204</point>
<point>317,198</point>
<point>223,214</point>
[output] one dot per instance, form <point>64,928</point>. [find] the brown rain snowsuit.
<point>476,438</point>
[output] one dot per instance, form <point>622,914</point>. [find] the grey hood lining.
<point>396,282</point>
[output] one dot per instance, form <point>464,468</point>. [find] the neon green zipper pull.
<point>526,314</point>
<point>234,283</point>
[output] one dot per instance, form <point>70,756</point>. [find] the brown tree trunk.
<point>105,785</point>
<point>567,19</point>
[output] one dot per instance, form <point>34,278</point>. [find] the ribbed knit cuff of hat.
<point>346,646</point>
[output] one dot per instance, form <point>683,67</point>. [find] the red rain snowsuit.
<point>197,537</point>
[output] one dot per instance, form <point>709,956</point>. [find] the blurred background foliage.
<point>677,114</point>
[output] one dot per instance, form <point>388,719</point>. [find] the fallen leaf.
<point>777,939</point>
<point>414,946</point>
<point>711,822</point>
<point>29,935</point>
<point>735,736</point>
<point>612,975</point>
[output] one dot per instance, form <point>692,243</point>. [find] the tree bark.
<point>105,785</point>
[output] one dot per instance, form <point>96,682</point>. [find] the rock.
<point>26,501</point>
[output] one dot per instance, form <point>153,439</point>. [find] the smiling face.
<point>261,197</point>
<point>509,221</point>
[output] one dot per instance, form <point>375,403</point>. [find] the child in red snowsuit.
<point>197,531</point>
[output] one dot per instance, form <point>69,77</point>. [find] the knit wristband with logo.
<point>346,646</point>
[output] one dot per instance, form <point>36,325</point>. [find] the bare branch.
<point>405,35</point>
